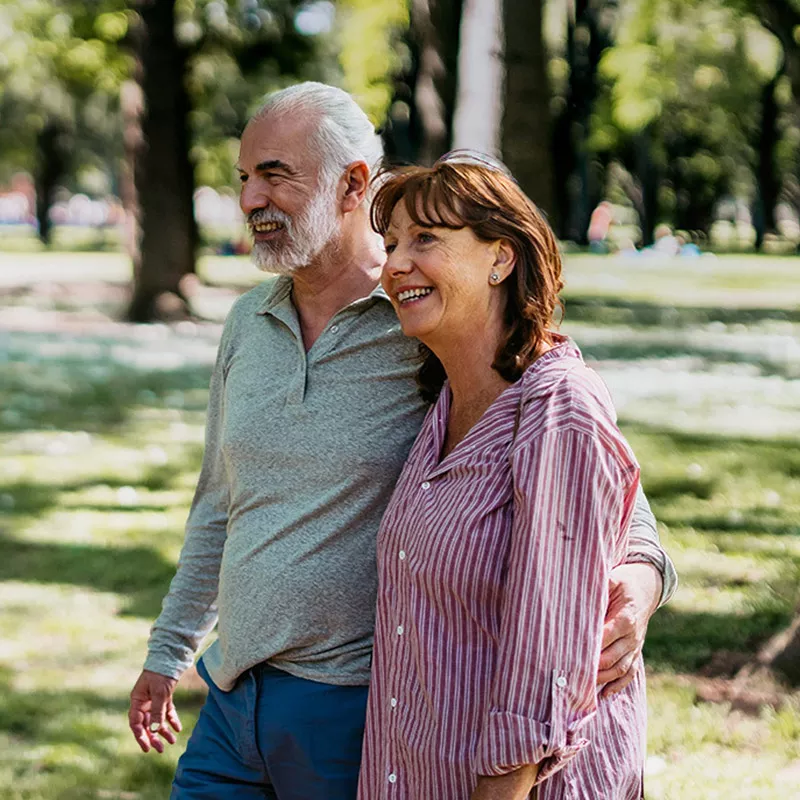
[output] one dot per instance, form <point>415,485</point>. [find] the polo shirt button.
<point>334,328</point>
<point>426,485</point>
<point>399,630</point>
<point>393,702</point>
<point>392,778</point>
<point>561,682</point>
<point>402,555</point>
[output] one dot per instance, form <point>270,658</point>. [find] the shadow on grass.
<point>29,498</point>
<point>635,351</point>
<point>751,523</point>
<point>685,641</point>
<point>140,574</point>
<point>743,454</point>
<point>76,750</point>
<point>611,311</point>
<point>70,394</point>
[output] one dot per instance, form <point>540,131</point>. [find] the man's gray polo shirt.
<point>302,453</point>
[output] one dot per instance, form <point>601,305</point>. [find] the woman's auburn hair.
<point>489,202</point>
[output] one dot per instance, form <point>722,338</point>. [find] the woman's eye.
<point>425,238</point>
<point>389,248</point>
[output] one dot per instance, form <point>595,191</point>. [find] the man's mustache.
<point>260,215</point>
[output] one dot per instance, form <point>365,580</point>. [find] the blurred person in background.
<point>507,520</point>
<point>313,409</point>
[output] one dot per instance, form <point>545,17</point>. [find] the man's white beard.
<point>307,234</point>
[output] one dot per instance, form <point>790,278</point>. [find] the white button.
<point>392,778</point>
<point>393,701</point>
<point>562,681</point>
<point>399,630</point>
<point>401,555</point>
<point>334,328</point>
<point>426,485</point>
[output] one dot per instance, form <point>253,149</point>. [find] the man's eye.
<point>425,238</point>
<point>243,178</point>
<point>390,248</point>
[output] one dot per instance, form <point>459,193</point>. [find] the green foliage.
<point>59,63</point>
<point>368,50</point>
<point>691,75</point>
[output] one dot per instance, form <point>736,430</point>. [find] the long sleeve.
<point>189,609</point>
<point>564,542</point>
<point>644,546</point>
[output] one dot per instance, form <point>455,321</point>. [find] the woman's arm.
<point>515,785</point>
<point>574,491</point>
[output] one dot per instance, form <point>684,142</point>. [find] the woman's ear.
<point>505,260</point>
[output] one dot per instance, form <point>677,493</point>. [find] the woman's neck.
<point>474,383</point>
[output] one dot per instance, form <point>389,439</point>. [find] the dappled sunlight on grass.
<point>101,441</point>
<point>708,751</point>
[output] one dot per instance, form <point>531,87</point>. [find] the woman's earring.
<point>494,278</point>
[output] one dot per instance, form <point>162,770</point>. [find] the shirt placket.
<point>403,620</point>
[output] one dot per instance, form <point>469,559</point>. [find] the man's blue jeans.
<point>274,736</point>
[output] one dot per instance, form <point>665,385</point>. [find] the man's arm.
<point>636,589</point>
<point>644,547</point>
<point>189,609</point>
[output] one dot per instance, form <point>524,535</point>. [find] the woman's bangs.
<point>431,204</point>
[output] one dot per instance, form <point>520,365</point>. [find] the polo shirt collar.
<point>281,292</point>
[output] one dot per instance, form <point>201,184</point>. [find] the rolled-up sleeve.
<point>644,547</point>
<point>573,498</point>
<point>189,609</point>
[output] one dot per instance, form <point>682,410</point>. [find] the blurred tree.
<point>525,133</point>
<point>681,106</point>
<point>59,79</point>
<point>197,50</point>
<point>368,72</point>
<point>421,118</point>
<point>481,69</point>
<point>578,184</point>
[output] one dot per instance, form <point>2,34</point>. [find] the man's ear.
<point>356,183</point>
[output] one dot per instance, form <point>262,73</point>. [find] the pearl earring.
<point>494,277</point>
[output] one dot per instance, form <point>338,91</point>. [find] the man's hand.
<point>151,707</point>
<point>633,594</point>
<point>515,785</point>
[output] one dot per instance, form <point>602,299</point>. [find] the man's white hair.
<point>344,133</point>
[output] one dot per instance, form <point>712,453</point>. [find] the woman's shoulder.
<point>559,390</point>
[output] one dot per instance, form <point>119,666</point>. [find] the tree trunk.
<point>526,111</point>
<point>647,175</point>
<point>579,182</point>
<point>479,104</point>
<point>163,173</point>
<point>51,158</point>
<point>766,174</point>
<point>435,26</point>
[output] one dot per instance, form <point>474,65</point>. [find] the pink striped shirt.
<point>493,567</point>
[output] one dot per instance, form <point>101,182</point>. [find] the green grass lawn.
<point>100,444</point>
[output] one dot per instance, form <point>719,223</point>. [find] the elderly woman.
<point>495,550</point>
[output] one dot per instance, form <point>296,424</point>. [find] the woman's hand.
<point>515,785</point>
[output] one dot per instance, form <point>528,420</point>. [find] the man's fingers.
<point>140,734</point>
<point>615,652</point>
<point>617,660</point>
<point>173,719</point>
<point>151,710</point>
<point>619,684</point>
<point>619,626</point>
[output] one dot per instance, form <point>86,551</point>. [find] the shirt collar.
<point>281,291</point>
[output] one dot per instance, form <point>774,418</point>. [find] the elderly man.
<point>312,411</point>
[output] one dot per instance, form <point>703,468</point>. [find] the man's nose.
<point>252,197</point>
